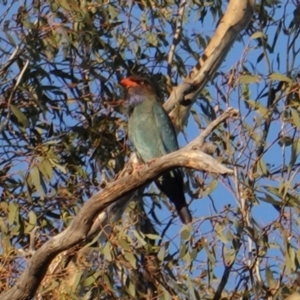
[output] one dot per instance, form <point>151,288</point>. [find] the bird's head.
<point>139,89</point>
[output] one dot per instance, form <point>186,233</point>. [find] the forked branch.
<point>83,225</point>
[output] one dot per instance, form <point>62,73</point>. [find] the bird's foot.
<point>150,162</point>
<point>137,166</point>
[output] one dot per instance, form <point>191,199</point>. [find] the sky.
<point>263,213</point>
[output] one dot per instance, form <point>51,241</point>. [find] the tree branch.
<point>235,19</point>
<point>83,225</point>
<point>176,37</point>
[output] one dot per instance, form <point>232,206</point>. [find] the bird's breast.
<point>136,99</point>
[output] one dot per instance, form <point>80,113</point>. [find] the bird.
<point>153,135</point>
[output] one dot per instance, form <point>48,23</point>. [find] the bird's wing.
<point>151,131</point>
<point>166,128</point>
<point>144,133</point>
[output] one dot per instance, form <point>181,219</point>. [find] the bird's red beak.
<point>127,82</point>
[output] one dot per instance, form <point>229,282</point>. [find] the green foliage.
<point>63,132</point>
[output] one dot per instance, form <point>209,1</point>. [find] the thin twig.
<point>177,35</point>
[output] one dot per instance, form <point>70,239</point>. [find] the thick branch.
<point>236,18</point>
<point>84,223</point>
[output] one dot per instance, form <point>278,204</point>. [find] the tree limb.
<point>235,19</point>
<point>83,225</point>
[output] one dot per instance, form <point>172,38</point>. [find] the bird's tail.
<point>185,215</point>
<point>171,184</point>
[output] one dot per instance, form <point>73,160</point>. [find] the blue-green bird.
<point>152,134</point>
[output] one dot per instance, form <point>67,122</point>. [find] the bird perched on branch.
<point>152,134</point>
